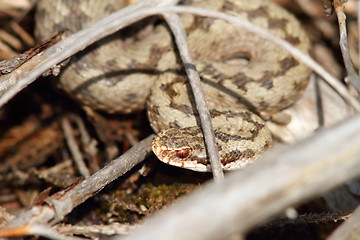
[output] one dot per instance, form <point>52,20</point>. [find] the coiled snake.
<point>246,78</point>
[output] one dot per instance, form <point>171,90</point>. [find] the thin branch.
<point>291,174</point>
<point>195,83</point>
<point>351,78</point>
<point>63,202</point>
<point>74,148</point>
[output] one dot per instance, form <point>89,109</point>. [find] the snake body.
<point>245,78</point>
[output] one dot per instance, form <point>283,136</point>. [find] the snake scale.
<point>246,79</point>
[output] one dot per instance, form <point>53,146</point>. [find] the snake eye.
<point>183,153</point>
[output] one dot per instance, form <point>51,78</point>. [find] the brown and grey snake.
<point>245,78</point>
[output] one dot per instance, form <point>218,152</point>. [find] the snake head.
<point>185,148</point>
<point>182,148</point>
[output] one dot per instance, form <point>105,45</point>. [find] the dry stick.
<point>349,230</point>
<point>307,60</point>
<point>63,202</point>
<point>88,143</point>
<point>283,177</point>
<point>351,78</point>
<point>17,80</point>
<point>195,83</point>
<point>74,148</point>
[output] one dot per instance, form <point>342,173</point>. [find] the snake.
<point>246,79</point>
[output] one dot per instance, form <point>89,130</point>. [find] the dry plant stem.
<point>195,83</point>
<point>283,177</point>
<point>307,60</point>
<point>74,148</point>
<point>63,202</point>
<point>351,78</point>
<point>31,70</point>
<point>349,230</point>
<point>89,144</point>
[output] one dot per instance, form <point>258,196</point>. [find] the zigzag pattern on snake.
<point>246,79</point>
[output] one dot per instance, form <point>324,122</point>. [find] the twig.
<point>291,174</point>
<point>88,143</point>
<point>195,83</point>
<point>74,148</point>
<point>351,78</point>
<point>62,203</point>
